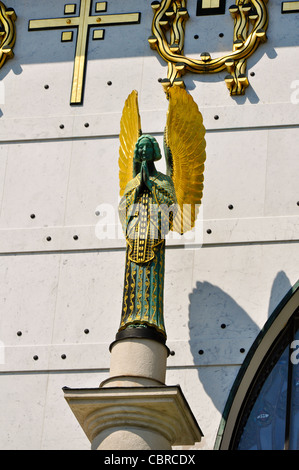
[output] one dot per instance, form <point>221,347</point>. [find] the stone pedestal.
<point>137,362</point>
<point>133,409</point>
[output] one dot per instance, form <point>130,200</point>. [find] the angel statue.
<point>153,203</point>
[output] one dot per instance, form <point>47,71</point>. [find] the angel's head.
<point>147,149</point>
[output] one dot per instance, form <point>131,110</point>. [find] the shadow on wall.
<point>280,287</point>
<point>228,334</point>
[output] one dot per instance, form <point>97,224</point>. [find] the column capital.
<point>155,417</point>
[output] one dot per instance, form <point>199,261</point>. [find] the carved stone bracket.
<point>250,25</point>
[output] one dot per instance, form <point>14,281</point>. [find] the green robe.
<point>146,219</point>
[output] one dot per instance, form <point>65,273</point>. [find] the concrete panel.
<point>216,301</point>
<point>22,410</point>
<point>28,297</point>
<point>3,163</point>
<point>234,291</point>
<point>89,297</point>
<point>235,173</point>
<point>93,180</point>
<point>35,185</point>
<point>32,111</point>
<point>103,237</point>
<point>282,170</point>
<point>32,406</point>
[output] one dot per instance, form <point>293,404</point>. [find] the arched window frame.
<point>255,364</point>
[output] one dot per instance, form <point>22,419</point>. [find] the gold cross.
<point>82,22</point>
<point>290,7</point>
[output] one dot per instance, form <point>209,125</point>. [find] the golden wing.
<point>185,156</point>
<point>130,131</point>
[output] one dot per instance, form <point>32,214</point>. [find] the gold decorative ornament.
<point>250,25</point>
<point>83,22</point>
<point>7,33</point>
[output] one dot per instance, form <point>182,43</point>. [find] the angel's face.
<point>145,151</point>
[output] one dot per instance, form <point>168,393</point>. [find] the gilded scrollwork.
<point>250,25</point>
<point>7,33</point>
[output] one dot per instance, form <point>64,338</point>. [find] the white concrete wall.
<point>52,291</point>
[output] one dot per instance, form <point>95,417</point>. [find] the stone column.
<point>133,409</point>
<point>137,362</point>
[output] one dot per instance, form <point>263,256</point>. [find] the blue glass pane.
<point>265,427</point>
<point>294,425</point>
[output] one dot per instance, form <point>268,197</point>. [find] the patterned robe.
<point>146,219</point>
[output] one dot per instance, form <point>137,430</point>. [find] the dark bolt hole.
<point>63,356</point>
<point>35,358</point>
<point>201,351</point>
<point>19,333</point>
<point>242,350</point>
<point>32,216</point>
<point>86,331</point>
<point>223,326</point>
